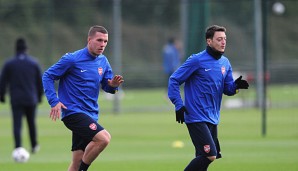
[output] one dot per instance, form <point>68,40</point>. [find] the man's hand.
<point>116,81</point>
<point>241,84</point>
<point>180,115</point>
<point>56,111</point>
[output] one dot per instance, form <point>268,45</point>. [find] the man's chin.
<point>99,52</point>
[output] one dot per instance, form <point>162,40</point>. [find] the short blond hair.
<point>94,29</point>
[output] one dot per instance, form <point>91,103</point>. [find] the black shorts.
<point>83,128</point>
<point>204,138</point>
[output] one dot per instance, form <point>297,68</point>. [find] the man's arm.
<point>49,89</point>
<point>39,83</point>
<point>54,73</point>
<point>111,83</point>
<point>231,87</point>
<point>178,78</point>
<point>3,83</point>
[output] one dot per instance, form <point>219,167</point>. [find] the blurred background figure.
<point>171,57</point>
<point>22,76</point>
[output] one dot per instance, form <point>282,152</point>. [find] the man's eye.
<point>220,39</point>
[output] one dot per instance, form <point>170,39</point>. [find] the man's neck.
<point>214,53</point>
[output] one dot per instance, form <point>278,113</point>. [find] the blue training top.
<point>80,75</point>
<point>171,58</point>
<point>206,79</point>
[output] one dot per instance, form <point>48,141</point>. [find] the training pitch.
<point>145,137</point>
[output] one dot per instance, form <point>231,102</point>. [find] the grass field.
<point>143,133</point>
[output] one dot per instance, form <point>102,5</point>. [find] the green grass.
<point>143,133</point>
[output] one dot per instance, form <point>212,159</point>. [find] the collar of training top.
<point>214,53</point>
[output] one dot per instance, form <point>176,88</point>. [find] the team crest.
<point>100,71</point>
<point>223,70</point>
<point>207,148</point>
<point>93,126</point>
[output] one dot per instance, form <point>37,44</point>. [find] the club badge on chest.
<point>223,70</point>
<point>100,71</point>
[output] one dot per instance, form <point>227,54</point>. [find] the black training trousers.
<point>29,111</point>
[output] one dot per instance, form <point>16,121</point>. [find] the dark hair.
<point>212,29</point>
<point>171,40</point>
<point>96,28</point>
<point>21,45</point>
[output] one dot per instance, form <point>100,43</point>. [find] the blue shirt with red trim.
<point>206,79</point>
<point>80,76</point>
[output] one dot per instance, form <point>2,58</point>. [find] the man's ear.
<point>208,41</point>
